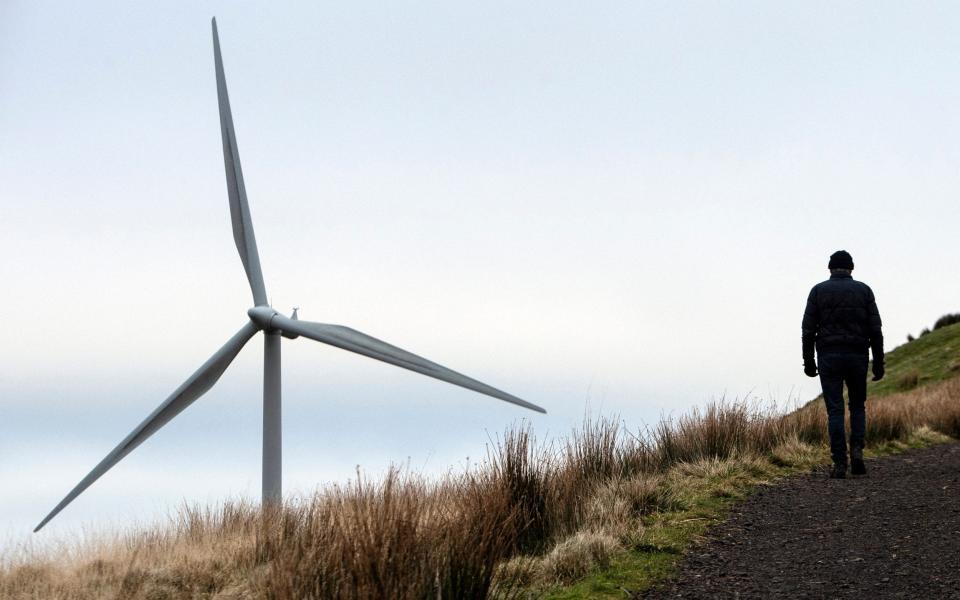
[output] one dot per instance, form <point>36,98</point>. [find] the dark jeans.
<point>835,370</point>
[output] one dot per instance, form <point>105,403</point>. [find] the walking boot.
<point>839,471</point>
<point>857,467</point>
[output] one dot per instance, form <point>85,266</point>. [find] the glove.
<point>810,368</point>
<point>878,371</point>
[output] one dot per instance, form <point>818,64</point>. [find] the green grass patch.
<point>927,359</point>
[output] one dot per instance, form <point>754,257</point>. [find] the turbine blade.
<point>194,387</point>
<point>361,343</point>
<point>239,209</point>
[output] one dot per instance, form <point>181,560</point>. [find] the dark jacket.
<point>842,317</point>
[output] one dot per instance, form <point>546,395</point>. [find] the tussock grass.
<point>605,509</point>
<point>579,554</point>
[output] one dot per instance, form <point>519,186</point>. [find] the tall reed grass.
<point>530,508</point>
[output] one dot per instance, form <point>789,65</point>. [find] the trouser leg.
<point>831,380</point>
<point>857,391</point>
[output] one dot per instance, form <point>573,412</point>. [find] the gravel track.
<point>892,534</point>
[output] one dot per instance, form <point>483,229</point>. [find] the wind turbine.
<point>264,318</point>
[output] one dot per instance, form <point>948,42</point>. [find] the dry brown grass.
<point>532,513</point>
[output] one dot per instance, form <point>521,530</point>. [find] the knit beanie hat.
<point>841,259</point>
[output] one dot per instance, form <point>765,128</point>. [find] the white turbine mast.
<point>274,326</point>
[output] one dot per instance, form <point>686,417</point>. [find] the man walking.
<point>843,322</point>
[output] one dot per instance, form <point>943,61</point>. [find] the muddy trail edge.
<point>892,534</point>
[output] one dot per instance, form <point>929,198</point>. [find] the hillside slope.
<point>930,358</point>
<point>600,511</point>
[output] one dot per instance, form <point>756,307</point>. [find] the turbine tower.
<point>274,326</point>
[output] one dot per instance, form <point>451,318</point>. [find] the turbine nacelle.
<point>293,317</point>
<point>264,317</point>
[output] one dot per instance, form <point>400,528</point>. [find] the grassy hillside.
<point>930,358</point>
<point>933,357</point>
<point>602,511</point>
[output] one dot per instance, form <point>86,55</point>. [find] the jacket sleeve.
<point>810,326</point>
<point>875,326</point>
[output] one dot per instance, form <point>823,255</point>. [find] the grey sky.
<point>622,205</point>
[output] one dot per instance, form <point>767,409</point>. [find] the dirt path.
<point>893,534</point>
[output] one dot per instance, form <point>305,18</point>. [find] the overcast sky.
<point>614,207</point>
